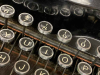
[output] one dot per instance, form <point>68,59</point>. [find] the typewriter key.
<point>4,58</point>
<point>26,44</point>
<point>33,6</point>
<point>98,51</point>
<point>45,52</point>
<point>65,60</point>
<point>65,12</point>
<point>41,71</point>
<point>83,44</point>
<point>7,11</point>
<point>6,35</point>
<point>26,2</point>
<point>64,35</point>
<point>98,73</point>
<point>45,27</point>
<point>25,19</point>
<point>21,67</point>
<point>18,1</point>
<point>84,68</point>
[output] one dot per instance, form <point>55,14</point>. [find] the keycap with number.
<point>45,27</point>
<point>7,11</point>
<point>83,44</point>
<point>45,52</point>
<point>41,71</point>
<point>26,44</point>
<point>64,36</point>
<point>64,60</point>
<point>84,68</point>
<point>7,35</point>
<point>4,58</point>
<point>21,67</point>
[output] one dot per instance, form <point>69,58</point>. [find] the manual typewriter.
<point>49,37</point>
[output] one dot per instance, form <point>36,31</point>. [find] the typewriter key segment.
<point>64,35</point>
<point>84,68</point>
<point>41,71</point>
<point>26,44</point>
<point>64,60</point>
<point>21,67</point>
<point>45,27</point>
<point>83,44</point>
<point>26,2</point>
<point>98,73</point>
<point>45,52</point>
<point>7,11</point>
<point>25,19</point>
<point>18,1</point>
<point>98,51</point>
<point>4,58</point>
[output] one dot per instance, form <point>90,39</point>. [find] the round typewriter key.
<point>25,19</point>
<point>64,60</point>
<point>7,11</point>
<point>78,11</point>
<point>21,67</point>
<point>6,35</point>
<point>83,44</point>
<point>98,73</point>
<point>45,27</point>
<point>4,58</point>
<point>41,71</point>
<point>98,51</point>
<point>45,52</point>
<point>84,68</point>
<point>33,6</point>
<point>18,1</point>
<point>26,44</point>
<point>26,2</point>
<point>65,12</point>
<point>64,35</point>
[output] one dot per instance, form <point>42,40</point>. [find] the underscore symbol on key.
<point>83,44</point>
<point>2,58</point>
<point>41,73</point>
<point>22,67</point>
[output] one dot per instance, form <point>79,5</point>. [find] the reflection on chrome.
<point>18,1</point>
<point>65,12</point>
<point>85,2</point>
<point>33,6</point>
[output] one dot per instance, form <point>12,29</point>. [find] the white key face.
<point>83,44</point>
<point>65,12</point>
<point>4,58</point>
<point>45,27</point>
<point>6,35</point>
<point>7,11</point>
<point>18,1</point>
<point>41,71</point>
<point>21,67</point>
<point>65,60</point>
<point>64,35</point>
<point>84,68</point>
<point>45,52</point>
<point>26,44</point>
<point>25,19</point>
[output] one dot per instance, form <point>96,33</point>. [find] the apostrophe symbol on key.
<point>65,35</point>
<point>26,18</point>
<point>1,57</point>
<point>44,27</point>
<point>22,67</point>
<point>46,51</point>
<point>85,67</point>
<point>83,44</point>
<point>41,73</point>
